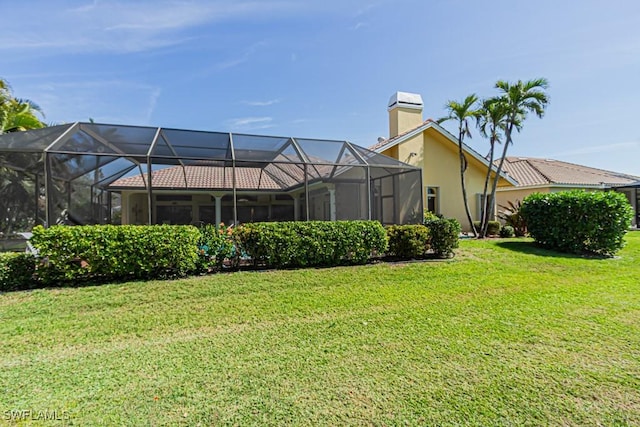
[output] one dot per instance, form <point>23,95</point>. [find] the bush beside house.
<point>493,227</point>
<point>311,244</point>
<point>577,221</point>
<point>445,234</point>
<point>408,241</point>
<point>70,256</point>
<point>16,271</point>
<point>113,252</point>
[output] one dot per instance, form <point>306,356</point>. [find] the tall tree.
<point>520,99</point>
<point>462,113</point>
<point>492,124</point>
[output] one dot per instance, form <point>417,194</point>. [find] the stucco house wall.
<point>427,145</point>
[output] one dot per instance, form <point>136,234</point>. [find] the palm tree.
<point>17,189</point>
<point>520,99</point>
<point>17,114</point>
<point>462,112</point>
<point>492,124</point>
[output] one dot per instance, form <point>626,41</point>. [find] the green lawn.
<point>505,334</point>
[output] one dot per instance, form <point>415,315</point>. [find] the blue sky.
<point>326,69</point>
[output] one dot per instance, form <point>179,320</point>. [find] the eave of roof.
<point>429,123</point>
<point>632,185</point>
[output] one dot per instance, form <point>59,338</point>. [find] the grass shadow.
<point>532,248</point>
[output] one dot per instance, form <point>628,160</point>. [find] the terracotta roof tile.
<point>207,177</point>
<point>533,171</point>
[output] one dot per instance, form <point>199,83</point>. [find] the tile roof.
<point>380,144</point>
<point>274,176</point>
<point>209,177</point>
<point>533,171</point>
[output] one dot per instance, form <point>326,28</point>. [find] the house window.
<point>174,214</point>
<point>432,204</point>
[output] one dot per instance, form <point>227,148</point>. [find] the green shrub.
<point>215,245</point>
<point>578,221</point>
<point>493,227</point>
<point>408,241</point>
<point>429,216</point>
<point>507,231</point>
<point>108,252</point>
<point>511,216</point>
<point>313,243</point>
<point>16,271</point>
<point>445,234</point>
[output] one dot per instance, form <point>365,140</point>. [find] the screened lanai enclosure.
<point>88,173</point>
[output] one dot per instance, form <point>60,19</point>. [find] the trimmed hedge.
<point>109,252</point>
<point>16,271</point>
<point>445,236</point>
<point>69,256</point>
<point>408,241</point>
<point>311,244</point>
<point>578,221</point>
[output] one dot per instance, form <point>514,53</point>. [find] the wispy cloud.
<point>262,103</point>
<point>250,123</point>
<point>116,101</point>
<point>246,55</point>
<point>153,100</point>
<point>359,25</point>
<point>119,26</point>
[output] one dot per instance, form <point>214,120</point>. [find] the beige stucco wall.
<point>438,157</point>
<point>134,208</point>
<point>504,197</point>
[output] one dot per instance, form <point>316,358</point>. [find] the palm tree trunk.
<point>484,206</point>
<point>504,156</point>
<point>463,168</point>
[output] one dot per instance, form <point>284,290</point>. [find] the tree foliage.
<point>497,118</point>
<point>17,188</point>
<point>17,114</point>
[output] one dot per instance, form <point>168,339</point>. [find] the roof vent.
<point>406,100</point>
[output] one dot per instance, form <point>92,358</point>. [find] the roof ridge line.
<point>579,167</point>
<point>539,171</point>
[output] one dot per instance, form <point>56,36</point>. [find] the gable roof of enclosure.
<point>165,146</point>
<point>118,157</point>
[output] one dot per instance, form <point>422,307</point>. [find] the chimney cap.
<point>406,100</point>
